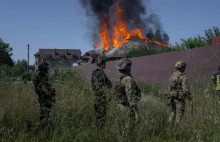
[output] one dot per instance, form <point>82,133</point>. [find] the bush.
<point>28,76</point>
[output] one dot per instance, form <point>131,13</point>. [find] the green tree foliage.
<point>198,41</point>
<point>20,67</point>
<point>5,54</point>
<point>210,33</point>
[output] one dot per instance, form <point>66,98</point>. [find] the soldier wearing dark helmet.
<point>46,93</point>
<point>178,92</point>
<point>127,96</point>
<point>100,82</point>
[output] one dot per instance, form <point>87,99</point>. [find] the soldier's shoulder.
<point>175,75</point>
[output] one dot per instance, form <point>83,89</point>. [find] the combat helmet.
<point>180,64</point>
<point>123,63</point>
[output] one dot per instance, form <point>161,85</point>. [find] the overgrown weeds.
<point>73,117</point>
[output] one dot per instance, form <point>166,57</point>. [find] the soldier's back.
<point>174,80</point>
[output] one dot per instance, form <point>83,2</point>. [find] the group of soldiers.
<point>126,95</point>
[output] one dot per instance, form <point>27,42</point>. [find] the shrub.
<point>28,76</point>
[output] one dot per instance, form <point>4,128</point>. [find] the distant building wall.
<point>59,65</point>
<point>201,63</point>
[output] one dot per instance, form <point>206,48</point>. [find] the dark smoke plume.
<point>135,14</point>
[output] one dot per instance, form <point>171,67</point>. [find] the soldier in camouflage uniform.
<point>127,95</point>
<point>100,82</point>
<point>216,81</point>
<point>178,92</point>
<point>45,92</point>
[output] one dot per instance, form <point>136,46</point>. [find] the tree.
<point>20,67</point>
<point>5,54</point>
<point>210,33</point>
<point>199,41</point>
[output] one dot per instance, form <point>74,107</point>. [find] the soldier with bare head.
<point>178,92</point>
<point>127,95</point>
<point>99,83</point>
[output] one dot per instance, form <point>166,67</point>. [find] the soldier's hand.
<point>137,118</point>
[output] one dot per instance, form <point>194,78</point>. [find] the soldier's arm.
<point>130,91</point>
<point>185,86</point>
<point>49,86</point>
<point>107,82</point>
<point>36,85</point>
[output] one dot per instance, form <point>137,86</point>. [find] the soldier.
<point>45,92</point>
<point>99,82</point>
<point>178,92</point>
<point>216,81</point>
<point>127,95</point>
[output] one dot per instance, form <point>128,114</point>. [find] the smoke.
<point>135,13</point>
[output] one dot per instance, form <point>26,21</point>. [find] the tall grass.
<point>73,117</point>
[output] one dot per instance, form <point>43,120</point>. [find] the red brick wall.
<point>216,40</point>
<point>201,62</point>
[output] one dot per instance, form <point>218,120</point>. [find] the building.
<point>58,59</point>
<point>31,68</point>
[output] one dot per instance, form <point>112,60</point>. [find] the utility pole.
<point>28,48</point>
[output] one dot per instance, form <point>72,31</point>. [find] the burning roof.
<point>116,21</point>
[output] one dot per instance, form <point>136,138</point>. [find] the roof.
<point>58,53</point>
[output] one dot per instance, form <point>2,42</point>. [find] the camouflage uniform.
<point>127,95</point>
<point>216,81</point>
<point>179,90</point>
<point>45,92</point>
<point>99,83</point>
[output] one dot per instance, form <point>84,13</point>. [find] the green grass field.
<point>74,117</point>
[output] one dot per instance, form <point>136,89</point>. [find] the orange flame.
<point>120,33</point>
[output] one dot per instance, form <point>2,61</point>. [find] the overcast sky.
<point>62,24</point>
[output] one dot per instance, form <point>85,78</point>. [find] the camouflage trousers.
<point>45,112</point>
<point>178,108</point>
<point>125,123</point>
<point>100,107</point>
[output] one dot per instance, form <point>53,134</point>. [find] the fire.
<point>120,33</point>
